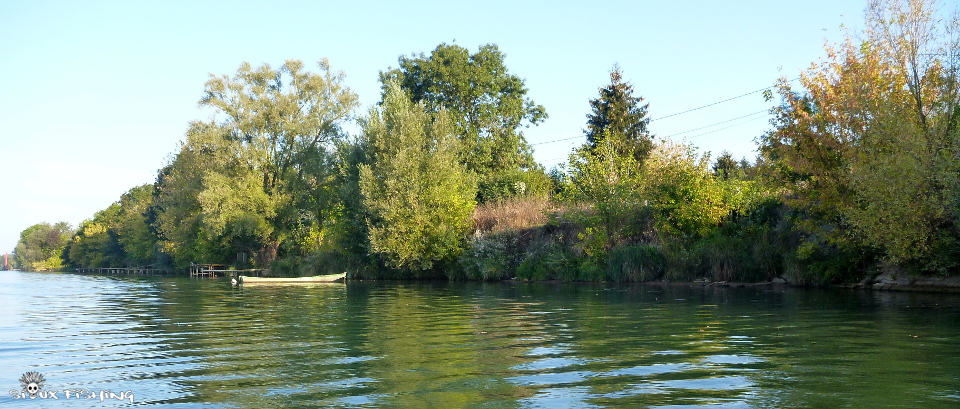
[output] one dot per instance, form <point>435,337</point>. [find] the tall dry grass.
<point>511,215</point>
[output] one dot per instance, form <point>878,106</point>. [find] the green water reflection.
<point>202,343</point>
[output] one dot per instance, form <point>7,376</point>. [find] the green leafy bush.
<point>637,263</point>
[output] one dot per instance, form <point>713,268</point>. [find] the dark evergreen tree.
<point>621,115</point>
<point>726,167</point>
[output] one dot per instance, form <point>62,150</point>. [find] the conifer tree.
<point>619,114</point>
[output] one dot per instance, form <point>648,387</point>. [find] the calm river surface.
<point>191,343</point>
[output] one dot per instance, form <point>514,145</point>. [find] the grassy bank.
<point>534,239</point>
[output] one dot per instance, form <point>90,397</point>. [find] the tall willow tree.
<point>418,197</point>
<point>871,145</point>
<point>250,179</point>
<point>487,106</point>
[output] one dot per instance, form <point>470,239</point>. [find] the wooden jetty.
<point>124,270</point>
<point>220,270</point>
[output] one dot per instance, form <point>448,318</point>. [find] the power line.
<point>688,111</point>
<point>692,137</point>
<point>726,127</point>
<point>679,133</point>
<point>718,102</point>
<point>556,140</point>
<point>553,159</point>
<point>718,123</point>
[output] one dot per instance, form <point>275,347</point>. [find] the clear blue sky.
<point>96,95</point>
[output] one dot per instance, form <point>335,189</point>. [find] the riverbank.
<point>894,281</point>
<point>880,282</point>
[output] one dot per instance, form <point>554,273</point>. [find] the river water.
<point>190,343</point>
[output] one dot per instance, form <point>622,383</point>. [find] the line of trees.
<point>272,178</point>
<point>858,173</point>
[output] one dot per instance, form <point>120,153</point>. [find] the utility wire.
<point>678,133</point>
<point>692,137</point>
<point>718,102</point>
<point>553,159</point>
<point>718,123</point>
<point>688,111</point>
<point>726,127</point>
<point>557,140</point>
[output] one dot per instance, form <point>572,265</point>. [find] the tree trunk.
<point>267,254</point>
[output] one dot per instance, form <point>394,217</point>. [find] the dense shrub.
<point>636,263</point>
<point>547,260</point>
<point>490,257</point>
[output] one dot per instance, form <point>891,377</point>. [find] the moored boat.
<point>330,278</point>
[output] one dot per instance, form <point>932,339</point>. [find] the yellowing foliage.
<point>870,145</point>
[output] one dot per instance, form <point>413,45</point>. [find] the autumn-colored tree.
<point>870,145</point>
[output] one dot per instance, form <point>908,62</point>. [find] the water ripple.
<point>186,343</point>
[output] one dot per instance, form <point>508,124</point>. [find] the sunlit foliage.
<point>419,198</point>
<point>487,106</point>
<point>869,146</point>
<point>251,178</point>
<point>41,246</point>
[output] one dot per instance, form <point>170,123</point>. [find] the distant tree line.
<point>858,173</point>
